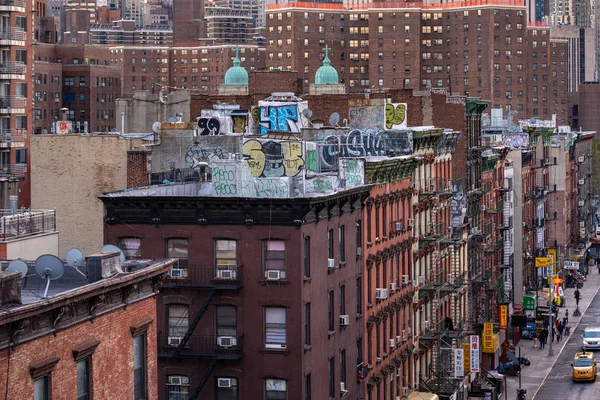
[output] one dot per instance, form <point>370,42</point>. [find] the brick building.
<point>94,338</point>
<point>82,78</point>
<point>244,314</point>
<point>480,49</point>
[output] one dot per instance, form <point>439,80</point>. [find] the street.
<point>559,383</point>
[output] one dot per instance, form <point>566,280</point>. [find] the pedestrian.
<point>577,297</point>
<point>543,338</point>
<point>567,316</point>
<point>560,328</point>
<point>564,321</point>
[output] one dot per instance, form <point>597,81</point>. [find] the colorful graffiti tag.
<point>395,116</point>
<point>279,118</point>
<point>273,158</point>
<point>197,154</point>
<point>369,117</point>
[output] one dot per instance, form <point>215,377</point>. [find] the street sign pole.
<point>550,272</point>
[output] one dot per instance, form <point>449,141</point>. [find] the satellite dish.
<point>110,248</point>
<point>172,120</point>
<point>156,127</point>
<point>49,267</point>
<point>334,119</point>
<point>75,259</point>
<point>18,266</point>
<point>307,113</point>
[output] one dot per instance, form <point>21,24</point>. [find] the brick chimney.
<point>103,265</point>
<point>10,288</point>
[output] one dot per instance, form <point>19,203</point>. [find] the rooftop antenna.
<point>18,266</point>
<point>75,259</point>
<point>334,119</point>
<point>110,248</point>
<point>49,267</point>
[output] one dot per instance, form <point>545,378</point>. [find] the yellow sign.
<point>543,262</point>
<point>503,317</point>
<point>487,344</point>
<point>552,253</point>
<point>557,281</point>
<point>467,361</point>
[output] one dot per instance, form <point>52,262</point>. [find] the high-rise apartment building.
<point>479,51</point>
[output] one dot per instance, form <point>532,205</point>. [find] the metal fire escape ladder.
<point>205,377</point>
<point>194,323</point>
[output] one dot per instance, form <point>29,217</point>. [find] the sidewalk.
<point>533,376</point>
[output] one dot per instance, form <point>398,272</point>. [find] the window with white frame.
<point>227,389</point>
<point>178,323</point>
<point>275,328</point>
<point>274,256</point>
<point>178,387</point>
<point>275,389</point>
<point>225,255</point>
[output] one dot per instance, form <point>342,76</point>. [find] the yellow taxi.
<point>584,367</point>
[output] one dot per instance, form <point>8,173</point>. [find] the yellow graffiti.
<point>252,151</point>
<point>394,115</point>
<point>292,157</point>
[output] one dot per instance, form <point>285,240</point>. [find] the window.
<point>275,328</point>
<point>41,388</point>
<point>131,247</point>
<point>359,234</point>
<point>225,255</point>
<point>178,248</point>
<point>178,322</point>
<point>307,387</point>
<point>342,239</point>
<point>226,321</point>
<point>330,244</point>
<point>343,300</point>
<point>358,296</point>
<point>69,81</point>
<point>307,256</point>
<point>275,256</point>
<point>227,389</point>
<point>331,378</point>
<point>178,387</point>
<point>139,367</point>
<point>82,81</point>
<point>83,379</point>
<point>275,389</point>
<point>343,366</point>
<point>21,156</point>
<point>307,324</point>
<point>330,311</point>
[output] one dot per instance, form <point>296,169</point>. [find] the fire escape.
<point>215,349</point>
<point>441,333</point>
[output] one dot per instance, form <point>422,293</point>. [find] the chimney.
<point>10,288</point>
<point>103,265</point>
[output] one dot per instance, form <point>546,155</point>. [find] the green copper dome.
<point>326,75</point>
<point>236,75</point>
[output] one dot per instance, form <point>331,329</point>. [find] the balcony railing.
<point>13,101</point>
<point>202,346</point>
<point>13,34</point>
<point>12,3</point>
<point>12,67</point>
<point>206,276</point>
<point>13,171</point>
<point>26,223</point>
<point>433,186</point>
<point>13,135</point>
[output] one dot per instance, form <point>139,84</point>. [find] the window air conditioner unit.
<point>421,280</point>
<point>399,226</point>
<point>381,294</point>
<point>174,380</point>
<point>359,251</point>
<point>330,263</point>
<point>224,382</point>
<point>176,273</point>
<point>392,343</point>
<point>226,341</point>
<point>405,391</point>
<point>273,275</point>
<point>175,340</point>
<point>343,387</point>
<point>422,307</point>
<point>482,207</point>
<point>411,223</point>
<point>393,286</point>
<point>344,320</point>
<point>403,335</point>
<point>426,324</point>
<point>414,283</point>
<point>409,330</point>
<point>399,339</point>
<point>226,273</point>
<point>405,279</point>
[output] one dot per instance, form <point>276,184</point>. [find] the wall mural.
<point>369,117</point>
<point>277,116</point>
<point>222,121</point>
<point>197,154</point>
<point>395,116</point>
<point>209,126</point>
<point>273,158</point>
<point>362,143</point>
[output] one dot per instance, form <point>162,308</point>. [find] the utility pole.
<point>551,285</point>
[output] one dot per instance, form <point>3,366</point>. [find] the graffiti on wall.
<point>516,140</point>
<point>273,158</point>
<point>311,157</point>
<point>362,143</point>
<point>395,116</point>
<point>223,121</point>
<point>352,170</point>
<point>209,126</point>
<point>369,117</point>
<point>197,155</point>
<point>278,118</point>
